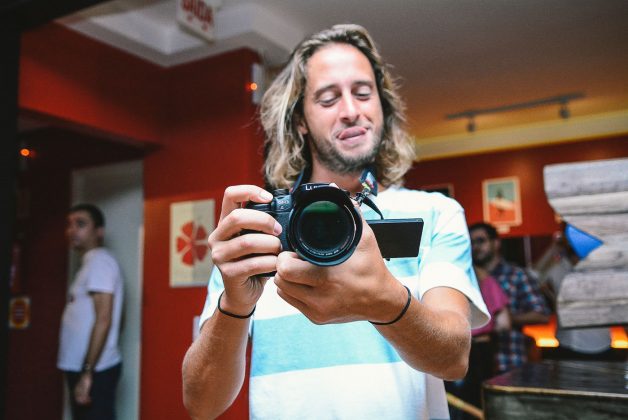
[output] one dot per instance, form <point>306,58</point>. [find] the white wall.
<point>117,190</point>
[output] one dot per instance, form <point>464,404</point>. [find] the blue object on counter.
<point>581,242</point>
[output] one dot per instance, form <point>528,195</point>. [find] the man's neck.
<point>349,182</point>
<point>490,266</point>
<point>83,251</point>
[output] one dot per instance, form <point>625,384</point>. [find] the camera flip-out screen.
<point>398,238</point>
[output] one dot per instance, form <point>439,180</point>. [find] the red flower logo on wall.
<point>192,244</point>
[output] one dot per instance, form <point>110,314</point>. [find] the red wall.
<point>466,174</point>
<point>44,185</point>
<point>74,78</point>
<point>202,117</point>
<point>209,144</point>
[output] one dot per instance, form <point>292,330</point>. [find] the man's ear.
<point>100,233</point>
<point>302,126</point>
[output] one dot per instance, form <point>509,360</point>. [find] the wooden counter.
<point>559,390</point>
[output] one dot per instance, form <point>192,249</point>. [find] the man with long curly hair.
<point>367,338</point>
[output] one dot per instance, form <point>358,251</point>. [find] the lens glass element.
<point>324,228</point>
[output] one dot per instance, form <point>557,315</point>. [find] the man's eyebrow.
<point>324,88</point>
<point>331,86</point>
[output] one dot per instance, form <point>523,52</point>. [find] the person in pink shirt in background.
<point>482,361</point>
<point>496,302</point>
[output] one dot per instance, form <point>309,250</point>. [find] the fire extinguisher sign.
<point>19,312</point>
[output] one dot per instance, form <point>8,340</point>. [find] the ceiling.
<point>449,55</point>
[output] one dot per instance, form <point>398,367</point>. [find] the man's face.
<point>81,232</point>
<point>483,249</point>
<point>342,109</point>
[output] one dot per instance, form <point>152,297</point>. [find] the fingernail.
<point>265,195</point>
<point>277,229</point>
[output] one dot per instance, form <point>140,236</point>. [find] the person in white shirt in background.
<point>88,348</point>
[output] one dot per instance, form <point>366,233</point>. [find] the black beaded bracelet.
<point>222,311</point>
<point>403,311</point>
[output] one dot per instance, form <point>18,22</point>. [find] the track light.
<point>471,124</point>
<point>562,100</point>
<point>564,111</point>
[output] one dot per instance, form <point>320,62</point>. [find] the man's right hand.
<point>239,257</point>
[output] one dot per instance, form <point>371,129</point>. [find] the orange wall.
<point>466,174</point>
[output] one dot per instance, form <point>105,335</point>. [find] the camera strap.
<point>303,177</point>
<point>369,186</point>
<point>372,205</point>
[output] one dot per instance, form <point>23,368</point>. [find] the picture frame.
<point>191,222</point>
<point>501,201</point>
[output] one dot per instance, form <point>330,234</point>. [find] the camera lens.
<point>325,228</point>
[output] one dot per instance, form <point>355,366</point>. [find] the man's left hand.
<point>361,288</point>
<point>83,388</point>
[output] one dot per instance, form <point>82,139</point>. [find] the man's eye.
<point>363,93</point>
<point>327,100</point>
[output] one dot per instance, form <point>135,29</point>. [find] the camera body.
<point>319,222</point>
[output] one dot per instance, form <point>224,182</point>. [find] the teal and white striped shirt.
<point>300,370</point>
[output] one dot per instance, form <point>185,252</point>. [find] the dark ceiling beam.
<point>9,49</point>
<point>16,16</point>
<point>28,14</point>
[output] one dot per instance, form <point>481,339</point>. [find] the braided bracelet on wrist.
<point>403,311</point>
<point>232,315</point>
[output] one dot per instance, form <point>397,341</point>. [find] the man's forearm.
<point>97,341</point>
<point>435,341</point>
<point>214,366</point>
<point>103,309</point>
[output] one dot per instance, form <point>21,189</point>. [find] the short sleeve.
<point>447,262</point>
<point>102,273</point>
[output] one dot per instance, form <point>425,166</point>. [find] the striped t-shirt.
<point>300,370</point>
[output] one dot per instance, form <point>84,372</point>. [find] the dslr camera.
<point>321,224</point>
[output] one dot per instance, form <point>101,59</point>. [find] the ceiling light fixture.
<point>562,100</point>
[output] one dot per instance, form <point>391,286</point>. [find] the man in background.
<point>526,303</point>
<point>88,350</point>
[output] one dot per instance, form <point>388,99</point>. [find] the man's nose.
<point>349,108</point>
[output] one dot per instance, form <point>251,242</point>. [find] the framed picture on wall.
<point>501,201</point>
<point>190,224</point>
<point>445,189</point>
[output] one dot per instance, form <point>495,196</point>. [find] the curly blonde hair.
<point>287,152</point>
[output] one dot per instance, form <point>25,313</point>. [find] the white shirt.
<point>99,273</point>
<point>350,371</point>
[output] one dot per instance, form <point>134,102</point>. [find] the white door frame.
<point>118,190</point>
